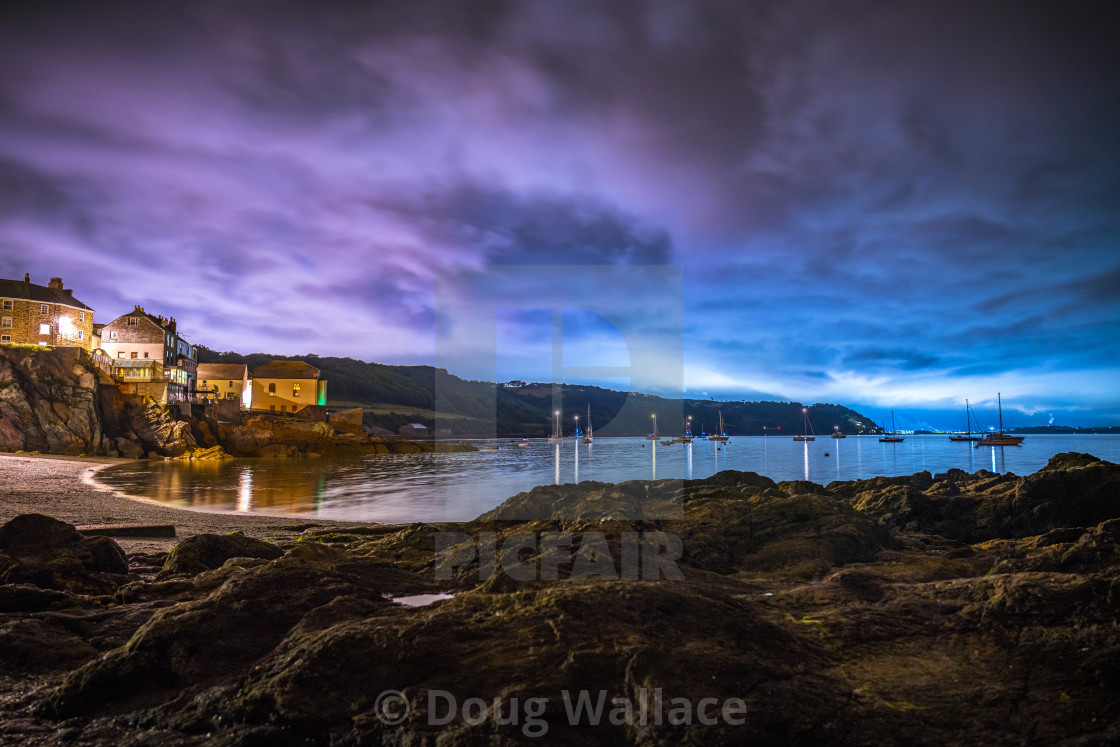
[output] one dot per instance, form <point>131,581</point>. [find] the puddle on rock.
<point>420,600</point>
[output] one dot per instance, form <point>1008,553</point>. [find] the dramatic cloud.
<point>895,204</point>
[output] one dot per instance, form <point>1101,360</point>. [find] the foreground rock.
<point>969,609</point>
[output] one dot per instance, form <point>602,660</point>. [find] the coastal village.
<point>277,408</point>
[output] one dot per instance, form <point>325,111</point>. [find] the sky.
<point>885,205</point>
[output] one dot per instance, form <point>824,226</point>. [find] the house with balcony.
<point>147,356</point>
<point>287,386</point>
<point>225,381</point>
<point>49,314</point>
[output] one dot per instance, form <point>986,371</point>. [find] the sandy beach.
<point>56,486</point>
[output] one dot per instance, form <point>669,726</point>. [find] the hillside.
<point>394,395</point>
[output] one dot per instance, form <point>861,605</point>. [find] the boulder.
<point>52,554</point>
<point>209,551</point>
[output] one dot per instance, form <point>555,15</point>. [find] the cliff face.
<point>49,401</point>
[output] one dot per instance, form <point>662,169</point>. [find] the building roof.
<point>285,370</point>
<point>221,371</point>
<point>41,294</point>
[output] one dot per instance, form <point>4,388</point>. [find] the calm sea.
<point>459,487</point>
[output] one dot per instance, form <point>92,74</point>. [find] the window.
<point>6,323</point>
<point>231,395</point>
<point>81,316</point>
<point>120,354</point>
<point>5,338</point>
<point>112,334</point>
<point>272,390</point>
<point>45,329</point>
<point>132,321</point>
<point>145,354</point>
<point>295,390</point>
<point>134,355</point>
<point>272,408</point>
<point>9,304</point>
<point>231,385</point>
<point>81,334</point>
<point>44,308</point>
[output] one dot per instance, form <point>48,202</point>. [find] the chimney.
<point>27,277</point>
<point>55,284</point>
<point>171,325</point>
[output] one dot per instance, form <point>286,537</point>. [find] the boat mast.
<point>999,401</point>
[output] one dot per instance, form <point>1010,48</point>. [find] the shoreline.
<point>63,487</point>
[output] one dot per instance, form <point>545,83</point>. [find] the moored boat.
<point>999,438</point>
<point>556,435</point>
<point>968,427</point>
<point>806,427</point>
<point>892,437</point>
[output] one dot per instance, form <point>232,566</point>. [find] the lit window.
<point>6,323</point>
<point>120,354</point>
<point>295,390</point>
<point>45,329</point>
<point>5,338</point>
<point>44,308</point>
<point>9,304</point>
<point>134,354</point>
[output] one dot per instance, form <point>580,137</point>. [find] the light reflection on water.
<point>459,487</point>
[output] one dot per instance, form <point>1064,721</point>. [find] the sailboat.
<point>721,434</point>
<point>836,432</point>
<point>655,435</point>
<point>893,436</point>
<point>1000,438</point>
<point>556,435</point>
<point>806,427</point>
<point>968,427</point>
<point>588,438</point>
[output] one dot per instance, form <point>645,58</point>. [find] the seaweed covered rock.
<point>51,554</point>
<point>205,552</point>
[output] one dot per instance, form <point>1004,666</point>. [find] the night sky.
<point>881,204</point>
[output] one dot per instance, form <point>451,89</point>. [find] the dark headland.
<point>929,609</point>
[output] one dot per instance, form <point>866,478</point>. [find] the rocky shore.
<point>930,609</point>
<point>57,401</point>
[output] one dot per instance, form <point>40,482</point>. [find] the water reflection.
<point>459,487</point>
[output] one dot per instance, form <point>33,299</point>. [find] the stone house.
<point>287,386</point>
<point>43,315</point>
<point>149,357</point>
<point>414,430</point>
<point>225,381</point>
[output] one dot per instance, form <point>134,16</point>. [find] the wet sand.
<point>55,486</point>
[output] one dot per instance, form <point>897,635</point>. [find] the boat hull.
<point>1000,441</point>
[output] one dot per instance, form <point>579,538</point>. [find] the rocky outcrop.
<point>157,429</point>
<point>51,554</point>
<point>48,401</point>
<point>835,614</point>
